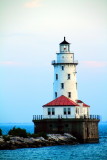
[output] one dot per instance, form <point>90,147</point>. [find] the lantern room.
<point>64,46</point>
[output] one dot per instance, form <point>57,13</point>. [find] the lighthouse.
<point>66,113</point>
<point>65,103</point>
<point>65,73</point>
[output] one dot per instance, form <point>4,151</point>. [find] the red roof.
<point>85,105</point>
<point>61,101</point>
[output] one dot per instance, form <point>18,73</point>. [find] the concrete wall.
<point>85,130</point>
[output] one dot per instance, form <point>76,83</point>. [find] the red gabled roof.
<point>61,101</point>
<point>79,101</point>
<point>85,105</point>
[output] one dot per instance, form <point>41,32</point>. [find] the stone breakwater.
<point>52,139</point>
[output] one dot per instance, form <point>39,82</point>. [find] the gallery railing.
<point>41,117</point>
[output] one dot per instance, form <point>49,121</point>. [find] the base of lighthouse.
<point>85,130</point>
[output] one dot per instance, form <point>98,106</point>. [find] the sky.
<point>30,33</point>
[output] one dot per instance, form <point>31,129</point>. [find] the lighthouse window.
<point>77,110</point>
<point>65,112</point>
<point>69,94</point>
<point>69,110</point>
<point>49,111</point>
<point>62,67</point>
<point>56,76</point>
<point>76,85</point>
<point>62,85</point>
<point>53,111</point>
<point>55,94</point>
<point>69,76</point>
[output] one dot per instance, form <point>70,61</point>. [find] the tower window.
<point>55,94</point>
<point>62,85</point>
<point>76,85</point>
<point>62,67</point>
<point>56,76</point>
<point>69,94</point>
<point>69,76</point>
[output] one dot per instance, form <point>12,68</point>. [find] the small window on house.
<point>49,111</point>
<point>69,110</point>
<point>56,76</point>
<point>62,67</point>
<point>69,76</point>
<point>69,94</point>
<point>77,110</point>
<point>53,111</point>
<point>65,112</point>
<point>62,85</point>
<point>55,94</point>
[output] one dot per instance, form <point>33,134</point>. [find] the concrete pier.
<point>84,129</point>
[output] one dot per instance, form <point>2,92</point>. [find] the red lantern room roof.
<point>61,101</point>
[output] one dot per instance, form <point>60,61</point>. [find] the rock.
<point>69,136</point>
<point>28,140</point>
<point>53,139</point>
<point>21,139</point>
<point>41,138</point>
<point>1,140</point>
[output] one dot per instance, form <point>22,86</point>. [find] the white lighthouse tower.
<point>65,103</point>
<point>65,73</point>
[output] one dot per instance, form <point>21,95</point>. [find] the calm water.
<point>66,152</point>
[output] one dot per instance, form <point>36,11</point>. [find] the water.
<point>96,151</point>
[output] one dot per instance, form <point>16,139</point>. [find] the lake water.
<point>96,151</point>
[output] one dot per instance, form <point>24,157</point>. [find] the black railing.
<point>41,117</point>
<point>72,62</point>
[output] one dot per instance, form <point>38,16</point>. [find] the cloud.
<point>32,4</point>
<point>95,64</point>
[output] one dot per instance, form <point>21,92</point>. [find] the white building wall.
<point>65,57</point>
<point>84,111</point>
<point>70,85</point>
<point>59,111</point>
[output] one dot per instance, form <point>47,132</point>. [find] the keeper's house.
<point>65,108</point>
